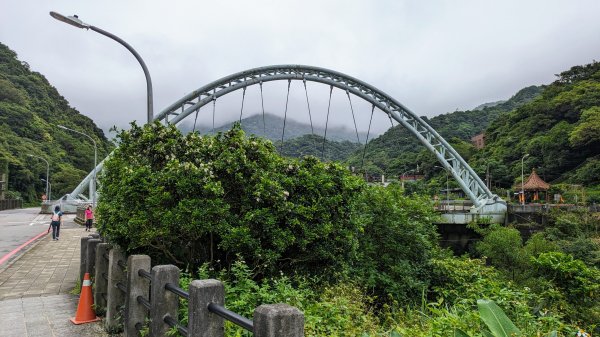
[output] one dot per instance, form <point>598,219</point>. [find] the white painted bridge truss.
<point>485,202</point>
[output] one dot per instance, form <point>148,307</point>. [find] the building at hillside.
<point>478,141</point>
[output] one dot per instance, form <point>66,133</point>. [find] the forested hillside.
<point>560,130</point>
<point>313,145</point>
<point>398,150</point>
<point>30,107</point>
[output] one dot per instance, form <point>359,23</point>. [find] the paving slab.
<point>44,316</point>
<point>44,269</point>
<point>35,298</point>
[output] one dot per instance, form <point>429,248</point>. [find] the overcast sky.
<point>433,56</point>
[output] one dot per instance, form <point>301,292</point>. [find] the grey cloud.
<point>433,56</point>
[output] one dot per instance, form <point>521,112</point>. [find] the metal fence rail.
<point>132,293</point>
<point>231,316</point>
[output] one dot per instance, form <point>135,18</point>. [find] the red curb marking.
<point>16,250</point>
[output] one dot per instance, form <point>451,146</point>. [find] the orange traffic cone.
<point>85,313</point>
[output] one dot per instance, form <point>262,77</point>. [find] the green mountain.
<point>397,150</point>
<point>559,129</point>
<point>29,110</point>
<point>313,145</point>
<point>273,129</point>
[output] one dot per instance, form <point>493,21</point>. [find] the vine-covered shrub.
<point>193,199</point>
<point>397,241</point>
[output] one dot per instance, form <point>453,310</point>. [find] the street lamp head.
<point>72,20</point>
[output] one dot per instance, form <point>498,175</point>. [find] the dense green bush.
<point>341,309</point>
<point>192,199</point>
<point>579,283</point>
<point>556,264</point>
<point>504,247</point>
<point>457,283</point>
<point>397,242</point>
<point>346,309</point>
<point>355,259</point>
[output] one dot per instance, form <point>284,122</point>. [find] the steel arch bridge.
<point>485,202</point>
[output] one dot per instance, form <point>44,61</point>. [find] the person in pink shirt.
<point>89,218</point>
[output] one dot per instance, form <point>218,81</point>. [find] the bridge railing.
<point>130,293</point>
<point>10,204</point>
<point>453,206</point>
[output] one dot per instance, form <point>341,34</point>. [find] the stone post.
<point>274,320</point>
<point>101,281</point>
<point>116,298</point>
<point>136,286</point>
<point>83,257</point>
<point>164,302</point>
<point>91,256</point>
<point>202,323</point>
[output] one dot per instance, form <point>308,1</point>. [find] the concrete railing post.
<point>274,320</point>
<point>136,286</point>
<point>83,257</point>
<point>164,302</point>
<point>91,256</point>
<point>116,298</point>
<point>202,323</point>
<point>101,281</point>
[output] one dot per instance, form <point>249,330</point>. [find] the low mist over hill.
<point>273,129</point>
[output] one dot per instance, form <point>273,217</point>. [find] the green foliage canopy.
<point>191,199</point>
<point>397,242</point>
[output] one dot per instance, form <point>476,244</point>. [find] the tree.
<point>397,241</point>
<point>193,199</point>
<point>587,133</point>
<point>504,247</point>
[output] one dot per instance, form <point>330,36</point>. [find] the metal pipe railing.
<point>231,316</point>
<point>141,300</point>
<point>178,291</point>
<point>122,287</point>
<point>145,274</point>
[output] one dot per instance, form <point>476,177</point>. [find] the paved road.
<point>18,226</point>
<point>34,289</point>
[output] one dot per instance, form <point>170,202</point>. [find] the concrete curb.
<point>22,252</point>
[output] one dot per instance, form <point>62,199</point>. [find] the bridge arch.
<point>483,199</point>
<point>447,156</point>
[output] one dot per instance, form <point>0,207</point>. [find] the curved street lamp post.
<point>93,183</point>
<point>522,182</point>
<point>447,188</point>
<point>47,174</point>
<point>74,21</point>
<point>402,176</point>
<point>47,183</point>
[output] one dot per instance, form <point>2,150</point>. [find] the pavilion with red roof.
<point>532,187</point>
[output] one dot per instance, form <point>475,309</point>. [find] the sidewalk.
<point>34,289</point>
